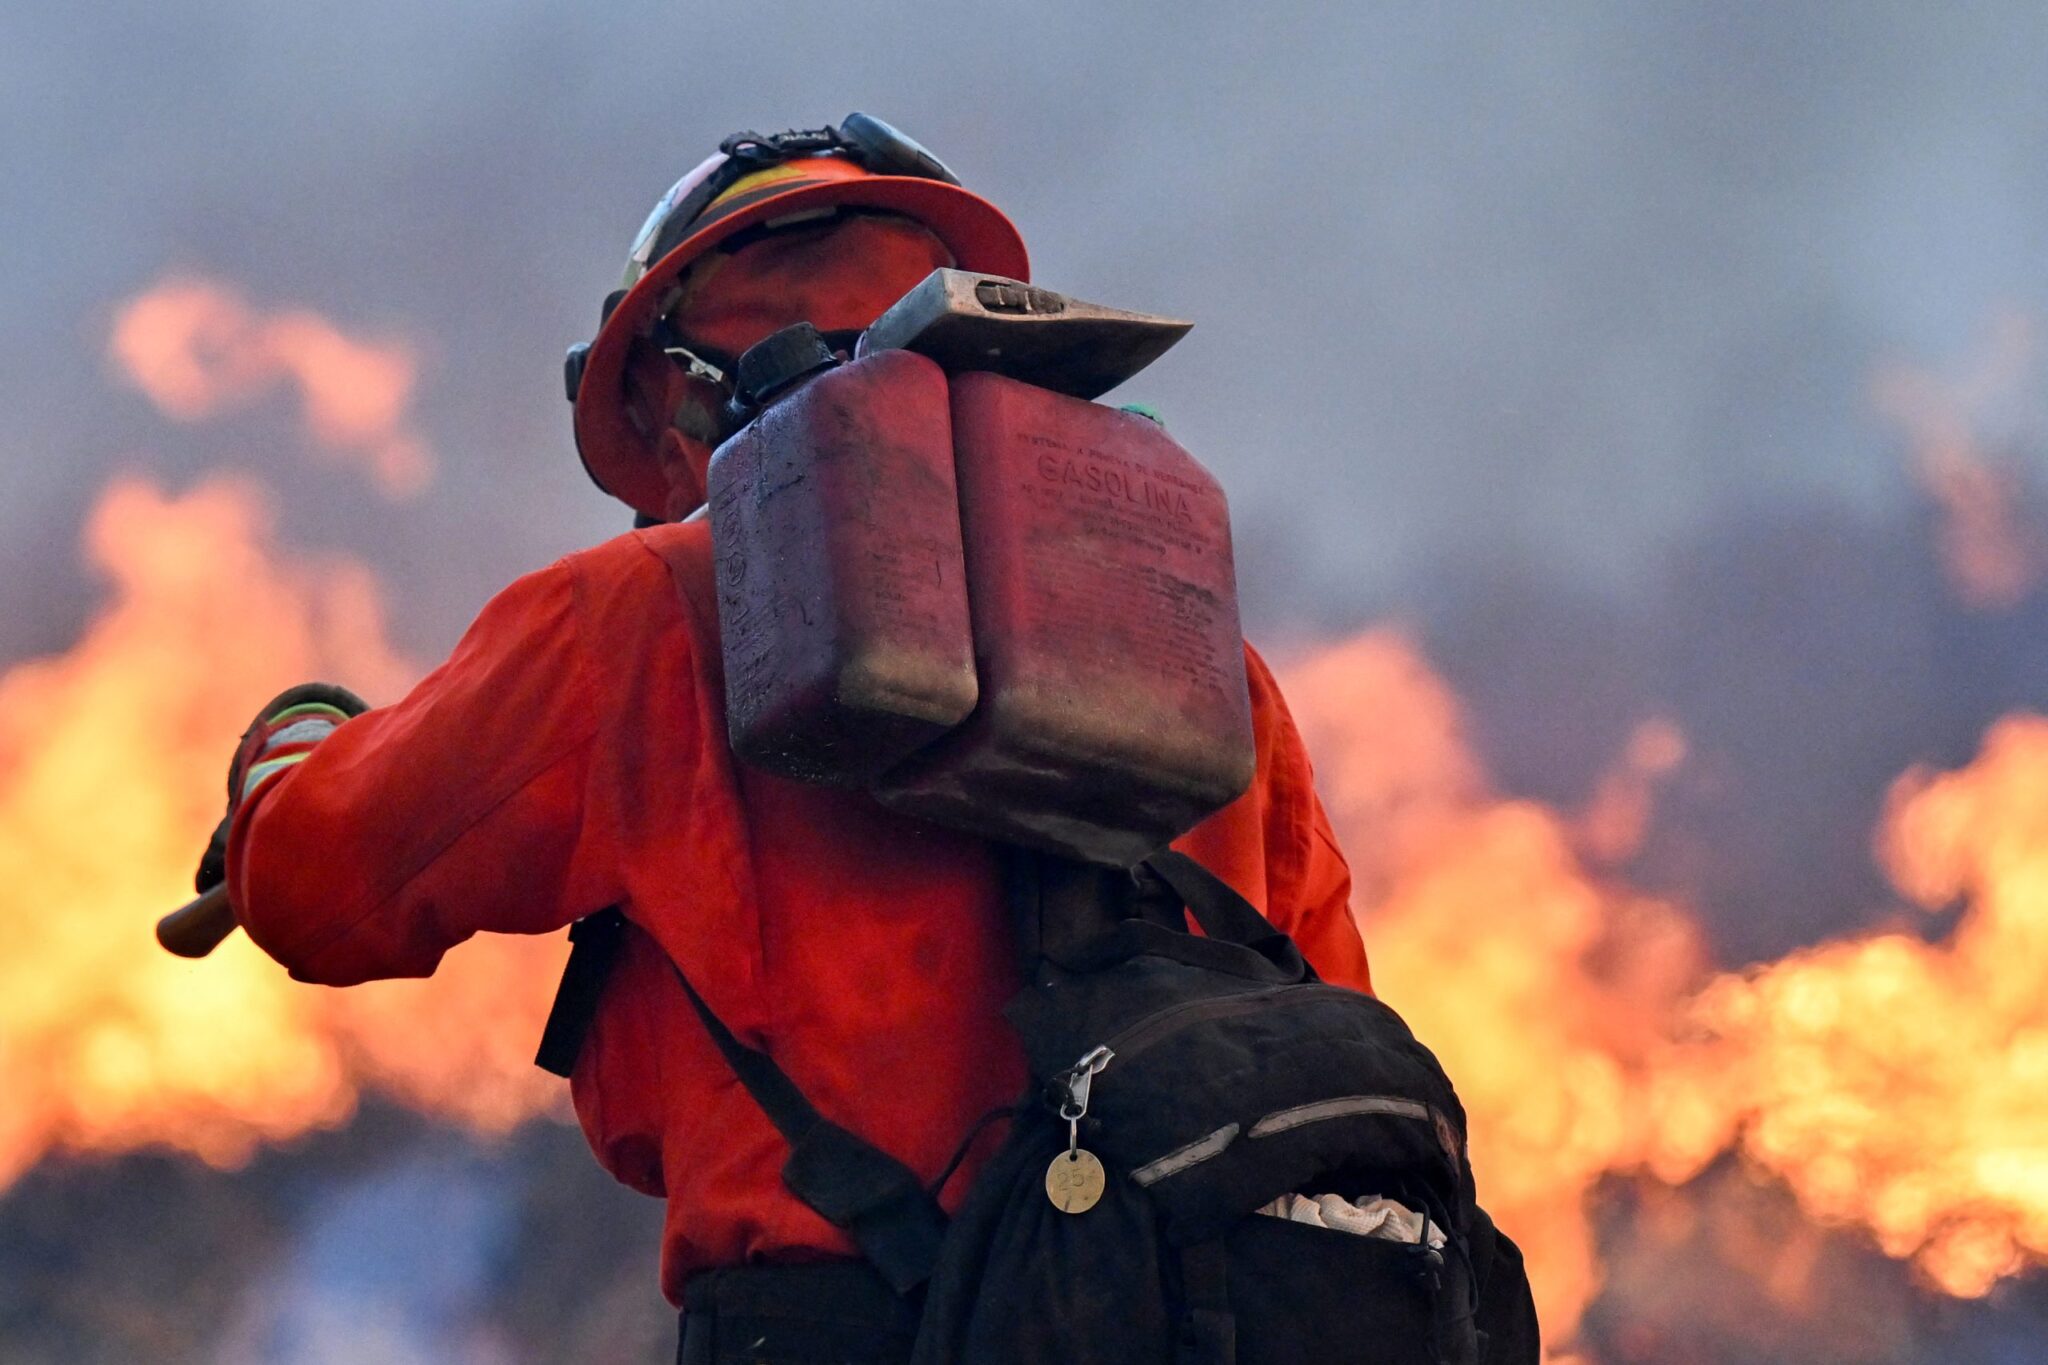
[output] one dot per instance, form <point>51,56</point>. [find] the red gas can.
<point>842,603</point>
<point>1114,710</point>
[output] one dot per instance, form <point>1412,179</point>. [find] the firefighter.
<point>571,755</point>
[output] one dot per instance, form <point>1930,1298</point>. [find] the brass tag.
<point>1074,1182</point>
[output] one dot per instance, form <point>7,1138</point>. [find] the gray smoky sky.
<point>1559,279</point>
<point>1550,328</point>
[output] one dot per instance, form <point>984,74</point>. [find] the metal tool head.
<point>965,320</point>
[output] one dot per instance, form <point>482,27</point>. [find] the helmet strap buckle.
<point>695,366</point>
<point>757,152</point>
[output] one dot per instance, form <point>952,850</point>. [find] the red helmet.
<point>756,182</point>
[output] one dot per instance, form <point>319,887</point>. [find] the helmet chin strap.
<point>684,470</point>
<point>699,419</point>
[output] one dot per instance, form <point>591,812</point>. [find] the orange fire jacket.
<point>571,755</point>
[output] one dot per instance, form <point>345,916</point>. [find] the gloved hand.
<point>284,731</point>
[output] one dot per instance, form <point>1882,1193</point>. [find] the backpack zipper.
<point>1071,1087</point>
<point>1135,1038</point>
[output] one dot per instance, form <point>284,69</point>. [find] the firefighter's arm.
<point>1309,883</point>
<point>458,809</point>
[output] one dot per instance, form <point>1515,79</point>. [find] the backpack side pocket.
<point>1306,1295</point>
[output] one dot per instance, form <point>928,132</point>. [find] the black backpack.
<point>1182,1082</point>
<point>1209,1076</point>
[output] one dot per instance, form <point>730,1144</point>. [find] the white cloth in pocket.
<point>1369,1217</point>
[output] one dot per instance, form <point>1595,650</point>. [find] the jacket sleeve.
<point>1275,844</point>
<point>456,810</point>
<point>1304,865</point>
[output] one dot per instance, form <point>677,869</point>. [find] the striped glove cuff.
<point>289,736</point>
<point>285,731</point>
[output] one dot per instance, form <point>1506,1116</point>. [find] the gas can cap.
<point>778,360</point>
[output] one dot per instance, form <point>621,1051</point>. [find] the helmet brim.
<point>619,457</point>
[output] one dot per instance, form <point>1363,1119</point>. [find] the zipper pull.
<point>1076,1180</point>
<point>1080,1080</point>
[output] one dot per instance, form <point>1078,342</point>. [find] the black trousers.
<point>829,1313</point>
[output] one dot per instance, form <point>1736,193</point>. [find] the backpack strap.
<point>1225,915</point>
<point>847,1180</point>
<point>593,949</point>
<point>1084,916</point>
<point>1061,906</point>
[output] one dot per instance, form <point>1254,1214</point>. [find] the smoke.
<point>393,1266</point>
<point>1550,329</point>
<point>1727,1269</point>
<point>431,1246</point>
<point>1807,653</point>
<point>196,349</point>
<point>1560,278</point>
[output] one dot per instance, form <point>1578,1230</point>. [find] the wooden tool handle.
<point>197,927</point>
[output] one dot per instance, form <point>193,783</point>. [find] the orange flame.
<point>1896,1084</point>
<point>1889,1082</point>
<point>1893,1084</point>
<point>1612,825</point>
<point>1541,989</point>
<point>112,761</point>
<point>197,349</point>
<point>1993,555</point>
